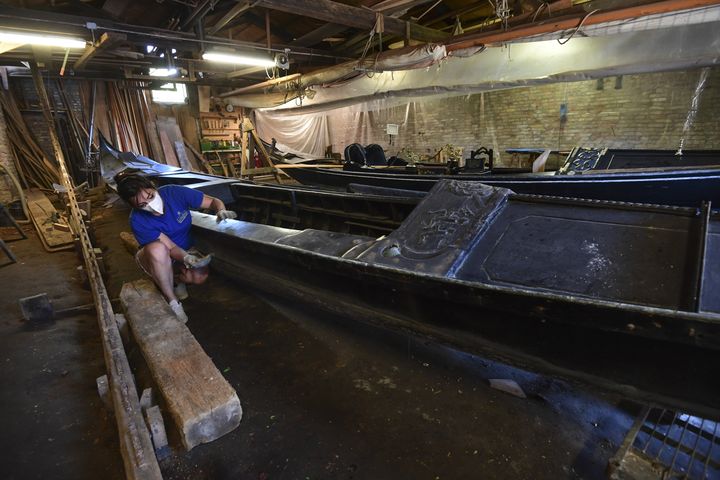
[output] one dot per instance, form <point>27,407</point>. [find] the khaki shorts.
<point>176,263</point>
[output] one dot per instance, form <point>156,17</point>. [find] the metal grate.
<point>679,445</point>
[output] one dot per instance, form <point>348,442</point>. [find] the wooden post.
<point>244,155</point>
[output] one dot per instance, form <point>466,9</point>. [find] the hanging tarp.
<point>522,64</point>
<point>299,135</point>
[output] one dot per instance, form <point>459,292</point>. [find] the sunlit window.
<point>169,92</point>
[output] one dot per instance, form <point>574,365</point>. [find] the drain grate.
<point>666,444</point>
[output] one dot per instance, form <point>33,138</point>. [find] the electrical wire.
<point>577,28</point>
<point>544,5</point>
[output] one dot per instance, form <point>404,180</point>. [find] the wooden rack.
<point>234,162</point>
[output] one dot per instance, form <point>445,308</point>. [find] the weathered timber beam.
<point>107,40</point>
<point>334,12</point>
<point>317,35</point>
<point>389,7</point>
<point>393,6</point>
<point>198,14</point>
<point>135,444</point>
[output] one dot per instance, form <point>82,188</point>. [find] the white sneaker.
<point>181,291</point>
<point>177,309</point>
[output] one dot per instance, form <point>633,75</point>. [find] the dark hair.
<point>130,184</point>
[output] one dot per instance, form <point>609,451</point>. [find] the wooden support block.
<point>201,402</point>
<point>155,423</point>
<point>123,328</point>
<point>104,391</point>
<point>147,399</point>
<point>130,242</point>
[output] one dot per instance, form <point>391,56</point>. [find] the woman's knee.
<point>156,252</point>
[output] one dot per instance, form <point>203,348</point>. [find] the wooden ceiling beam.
<point>198,14</point>
<point>334,12</point>
<point>107,40</point>
<point>238,9</point>
<point>317,35</point>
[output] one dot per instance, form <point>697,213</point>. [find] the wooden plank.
<point>44,215</point>
<point>259,171</point>
<point>155,147</point>
<point>334,12</point>
<point>201,402</point>
<point>201,158</point>
<point>283,166</point>
<point>168,150</point>
<point>182,156</point>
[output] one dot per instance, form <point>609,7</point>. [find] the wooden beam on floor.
<point>135,443</point>
<point>201,402</point>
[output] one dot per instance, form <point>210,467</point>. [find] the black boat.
<point>578,288</point>
<point>618,295</point>
<point>639,176</point>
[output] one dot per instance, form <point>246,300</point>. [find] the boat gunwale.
<point>378,270</point>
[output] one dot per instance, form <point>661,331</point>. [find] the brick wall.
<point>29,104</point>
<point>7,190</point>
<point>648,111</point>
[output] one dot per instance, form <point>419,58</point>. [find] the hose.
<point>23,202</point>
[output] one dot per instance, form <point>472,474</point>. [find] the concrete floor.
<point>53,423</point>
<point>321,398</point>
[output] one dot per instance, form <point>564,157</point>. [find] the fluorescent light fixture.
<point>46,40</point>
<point>239,59</point>
<point>163,72</point>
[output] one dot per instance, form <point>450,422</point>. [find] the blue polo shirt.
<point>175,222</point>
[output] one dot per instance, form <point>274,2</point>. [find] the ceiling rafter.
<point>235,11</point>
<point>334,12</point>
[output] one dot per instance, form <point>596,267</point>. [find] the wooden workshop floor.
<point>53,423</point>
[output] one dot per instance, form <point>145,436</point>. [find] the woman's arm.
<point>176,253</point>
<point>212,203</point>
<point>219,207</point>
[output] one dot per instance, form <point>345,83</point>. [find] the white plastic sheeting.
<point>524,64</point>
<point>677,19</point>
<point>298,135</point>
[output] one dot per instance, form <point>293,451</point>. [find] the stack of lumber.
<point>33,166</point>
